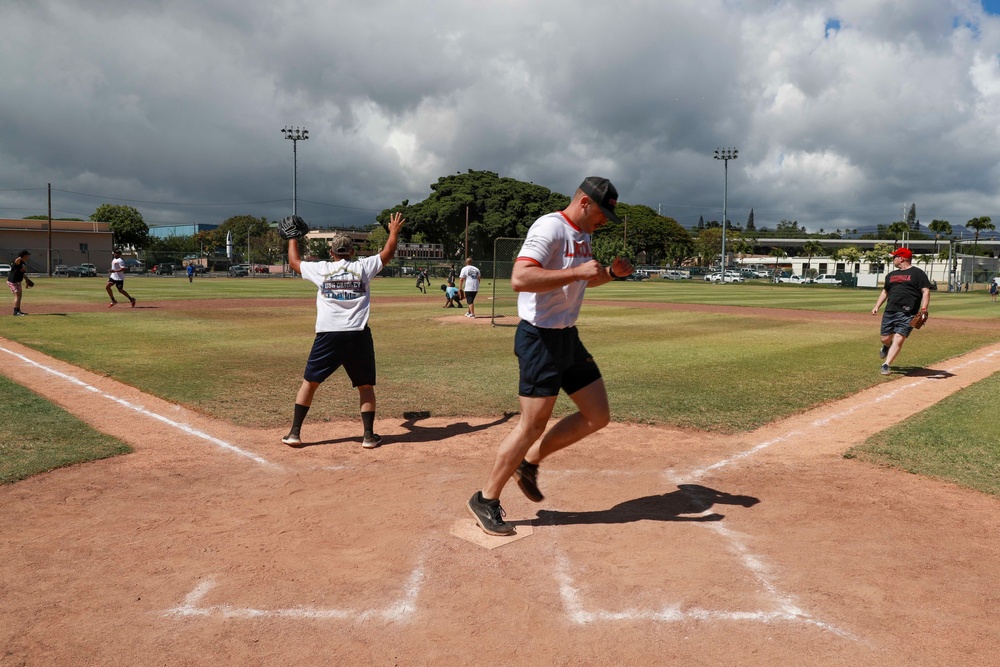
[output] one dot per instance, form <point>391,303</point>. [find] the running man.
<point>117,279</point>
<point>343,304</point>
<point>907,289</point>
<point>552,270</point>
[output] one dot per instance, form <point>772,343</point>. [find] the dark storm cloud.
<point>843,111</point>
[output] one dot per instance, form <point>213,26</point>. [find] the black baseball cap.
<point>602,193</point>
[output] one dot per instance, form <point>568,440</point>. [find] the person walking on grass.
<point>994,288</point>
<point>17,276</point>
<point>343,304</point>
<point>551,272</point>
<point>907,291</point>
<point>469,285</point>
<point>117,279</point>
<point>190,272</point>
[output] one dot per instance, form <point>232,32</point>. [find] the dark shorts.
<point>471,296</point>
<point>354,350</point>
<point>896,323</point>
<point>117,283</point>
<point>552,359</point>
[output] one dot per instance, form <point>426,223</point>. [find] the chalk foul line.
<point>825,421</point>
<point>143,411</point>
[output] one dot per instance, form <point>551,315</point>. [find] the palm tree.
<point>979,224</point>
<point>811,248</point>
<point>940,228</point>
<point>897,229</point>
<point>778,254</point>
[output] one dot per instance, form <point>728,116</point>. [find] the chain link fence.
<point>504,311</point>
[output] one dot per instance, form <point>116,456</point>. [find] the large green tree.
<point>126,224</point>
<point>495,206</point>
<point>642,230</point>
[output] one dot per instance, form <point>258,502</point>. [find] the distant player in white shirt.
<point>468,281</point>
<point>117,279</point>
<point>342,334</point>
<point>553,269</point>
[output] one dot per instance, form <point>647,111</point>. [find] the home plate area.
<point>683,535</point>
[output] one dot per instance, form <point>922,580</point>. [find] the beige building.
<point>71,242</point>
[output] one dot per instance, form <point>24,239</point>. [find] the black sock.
<point>368,421</point>
<point>300,416</point>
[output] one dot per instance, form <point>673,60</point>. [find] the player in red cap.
<point>907,291</point>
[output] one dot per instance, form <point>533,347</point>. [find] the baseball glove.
<point>919,319</point>
<point>292,227</point>
<point>28,282</point>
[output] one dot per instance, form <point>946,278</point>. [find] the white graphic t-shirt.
<point>471,275</point>
<point>344,295</point>
<point>553,242</point>
<point>117,267</point>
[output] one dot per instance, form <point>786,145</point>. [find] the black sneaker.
<point>489,515</point>
<point>18,313</point>
<point>884,370</point>
<point>527,479</point>
<point>884,352</point>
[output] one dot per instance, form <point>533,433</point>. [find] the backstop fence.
<point>504,312</point>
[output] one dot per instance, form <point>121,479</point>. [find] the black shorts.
<point>471,296</point>
<point>896,322</point>
<point>354,350</point>
<point>117,283</point>
<point>552,359</point>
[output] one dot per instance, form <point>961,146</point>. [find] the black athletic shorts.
<point>117,283</point>
<point>552,359</point>
<point>471,296</point>
<point>354,350</point>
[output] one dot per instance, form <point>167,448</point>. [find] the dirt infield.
<point>216,545</point>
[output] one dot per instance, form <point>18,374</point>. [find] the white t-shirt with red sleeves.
<point>554,242</point>
<point>343,299</point>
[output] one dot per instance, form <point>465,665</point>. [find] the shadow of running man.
<point>421,434</point>
<point>691,499</point>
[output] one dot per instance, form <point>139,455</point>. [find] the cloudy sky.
<point>843,111</point>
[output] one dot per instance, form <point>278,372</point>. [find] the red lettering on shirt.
<point>905,278</point>
<point>578,249</point>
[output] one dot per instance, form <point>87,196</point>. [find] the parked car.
<point>90,269</point>
<point>637,275</point>
<point>59,270</point>
<point>730,277</point>
<point>795,280</point>
<point>826,279</point>
<point>261,269</point>
<point>713,277</point>
<point>4,269</point>
<point>238,271</point>
<point>164,269</point>
<point>134,266</point>
<point>673,274</point>
<point>76,272</point>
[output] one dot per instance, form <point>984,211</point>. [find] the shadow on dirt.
<point>687,499</point>
<point>421,434</point>
<point>917,372</point>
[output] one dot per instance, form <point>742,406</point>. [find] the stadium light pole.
<point>296,135</point>
<point>725,154</point>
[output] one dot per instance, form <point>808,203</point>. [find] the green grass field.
<point>38,436</point>
<point>718,372</point>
